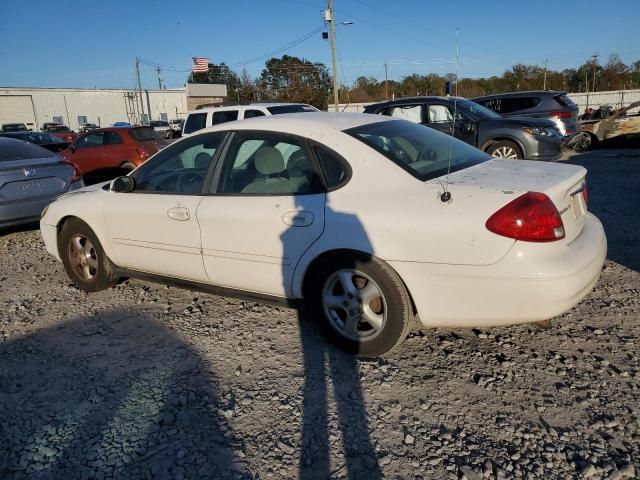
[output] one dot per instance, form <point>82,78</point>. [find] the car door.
<point>441,117</point>
<point>88,152</point>
<point>267,209</point>
<point>154,227</point>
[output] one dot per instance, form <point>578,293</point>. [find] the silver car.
<point>30,178</point>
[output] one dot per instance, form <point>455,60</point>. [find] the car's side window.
<point>180,168</point>
<point>195,122</point>
<point>224,116</point>
<point>334,169</point>
<point>439,114</point>
<point>91,140</point>
<point>413,113</point>
<point>253,114</point>
<point>269,164</point>
<point>112,138</point>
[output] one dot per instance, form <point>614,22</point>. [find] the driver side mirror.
<point>122,184</point>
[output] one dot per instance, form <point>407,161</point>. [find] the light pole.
<point>329,17</point>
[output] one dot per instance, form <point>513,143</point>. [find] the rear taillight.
<point>142,153</point>
<point>585,193</point>
<point>531,217</point>
<point>76,170</point>
<point>562,114</point>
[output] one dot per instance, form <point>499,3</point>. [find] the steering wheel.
<point>186,181</point>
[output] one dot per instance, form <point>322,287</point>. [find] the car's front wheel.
<point>361,303</point>
<point>83,257</point>
<point>505,149</point>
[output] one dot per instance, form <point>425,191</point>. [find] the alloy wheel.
<point>505,152</point>
<point>354,305</point>
<point>83,257</point>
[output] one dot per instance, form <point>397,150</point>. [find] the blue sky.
<point>94,44</point>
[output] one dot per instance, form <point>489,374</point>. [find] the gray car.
<point>530,138</point>
<point>552,105</point>
<point>30,178</point>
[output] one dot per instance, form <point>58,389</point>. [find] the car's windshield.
<point>477,109</point>
<point>278,109</point>
<point>422,151</point>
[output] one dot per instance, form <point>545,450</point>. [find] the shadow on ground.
<point>116,395</point>
<point>613,180</point>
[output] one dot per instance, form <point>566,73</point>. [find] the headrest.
<point>201,162</point>
<point>269,160</point>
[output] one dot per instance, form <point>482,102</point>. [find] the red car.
<point>60,131</point>
<point>104,150</point>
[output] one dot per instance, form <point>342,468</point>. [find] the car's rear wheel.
<point>505,149</point>
<point>83,257</point>
<point>361,303</point>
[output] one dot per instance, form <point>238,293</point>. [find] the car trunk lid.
<point>563,184</point>
<point>33,178</point>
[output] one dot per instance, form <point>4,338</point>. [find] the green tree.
<point>293,79</point>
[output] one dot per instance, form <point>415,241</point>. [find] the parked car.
<point>209,116</point>
<point>101,152</point>
<point>551,105</point>
<point>87,127</point>
<point>533,139</point>
<point>13,127</point>
<point>161,127</point>
<point>176,127</point>
<point>376,223</point>
<point>44,139</point>
<point>30,178</point>
<point>606,124</point>
<point>61,131</point>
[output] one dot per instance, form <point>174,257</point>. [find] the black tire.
<point>100,274</point>
<point>127,166</point>
<point>499,150</point>
<point>394,303</point>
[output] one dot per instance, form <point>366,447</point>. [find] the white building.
<point>74,106</point>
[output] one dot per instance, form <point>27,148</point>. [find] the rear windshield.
<point>143,133</point>
<point>16,150</point>
<point>291,109</point>
<point>565,101</point>
<point>14,127</point>
<point>422,151</point>
<point>195,121</point>
<point>58,129</point>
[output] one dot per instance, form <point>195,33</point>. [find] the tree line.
<point>293,79</point>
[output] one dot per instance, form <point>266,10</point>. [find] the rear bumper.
<point>23,212</point>
<point>532,282</point>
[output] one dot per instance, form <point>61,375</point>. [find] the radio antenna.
<point>446,195</point>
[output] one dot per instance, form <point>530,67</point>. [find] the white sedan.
<point>378,224</point>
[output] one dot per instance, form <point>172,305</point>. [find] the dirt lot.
<point>145,381</point>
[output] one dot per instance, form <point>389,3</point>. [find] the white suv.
<point>209,116</point>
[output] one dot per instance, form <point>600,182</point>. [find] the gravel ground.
<point>145,381</point>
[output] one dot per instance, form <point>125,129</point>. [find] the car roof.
<point>524,93</point>
<point>400,101</point>
<point>302,122</point>
<point>250,105</point>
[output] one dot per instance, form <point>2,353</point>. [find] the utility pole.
<point>332,38</point>
<point>140,91</point>
<point>595,61</point>
<point>544,83</point>
<point>158,69</point>
<point>386,81</point>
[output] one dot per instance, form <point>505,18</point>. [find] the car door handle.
<point>300,218</point>
<point>178,213</point>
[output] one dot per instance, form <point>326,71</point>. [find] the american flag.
<point>200,64</point>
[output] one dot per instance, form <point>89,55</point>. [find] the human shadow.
<point>613,180</point>
<point>115,395</point>
<point>324,364</point>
